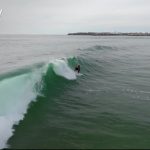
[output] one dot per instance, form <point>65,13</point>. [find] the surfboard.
<point>78,74</point>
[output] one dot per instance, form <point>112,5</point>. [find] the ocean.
<point>45,104</point>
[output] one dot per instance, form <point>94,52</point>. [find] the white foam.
<point>78,74</point>
<point>61,68</point>
<point>15,95</point>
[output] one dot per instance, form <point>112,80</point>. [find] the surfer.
<point>77,68</point>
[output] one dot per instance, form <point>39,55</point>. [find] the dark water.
<point>44,104</point>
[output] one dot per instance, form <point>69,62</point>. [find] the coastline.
<point>111,33</point>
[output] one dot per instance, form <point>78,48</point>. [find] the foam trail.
<point>16,94</point>
<point>61,68</point>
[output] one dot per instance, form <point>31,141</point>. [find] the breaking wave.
<point>19,90</point>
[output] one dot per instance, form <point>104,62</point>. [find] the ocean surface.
<point>45,104</point>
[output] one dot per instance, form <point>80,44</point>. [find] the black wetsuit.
<point>77,69</point>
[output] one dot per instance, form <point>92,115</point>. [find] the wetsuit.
<point>77,69</point>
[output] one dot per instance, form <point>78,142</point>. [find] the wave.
<point>18,91</point>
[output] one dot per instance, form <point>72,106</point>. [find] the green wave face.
<point>27,86</point>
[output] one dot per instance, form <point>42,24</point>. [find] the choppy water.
<point>45,104</point>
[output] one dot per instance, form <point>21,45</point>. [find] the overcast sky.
<point>63,16</point>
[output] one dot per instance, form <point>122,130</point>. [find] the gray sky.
<point>63,16</point>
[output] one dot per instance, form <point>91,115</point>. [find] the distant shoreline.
<point>112,33</point>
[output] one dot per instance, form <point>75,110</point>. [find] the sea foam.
<point>61,68</point>
<point>15,95</point>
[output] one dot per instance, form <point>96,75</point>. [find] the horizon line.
<point>71,32</point>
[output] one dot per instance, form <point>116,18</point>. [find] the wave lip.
<point>61,68</point>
